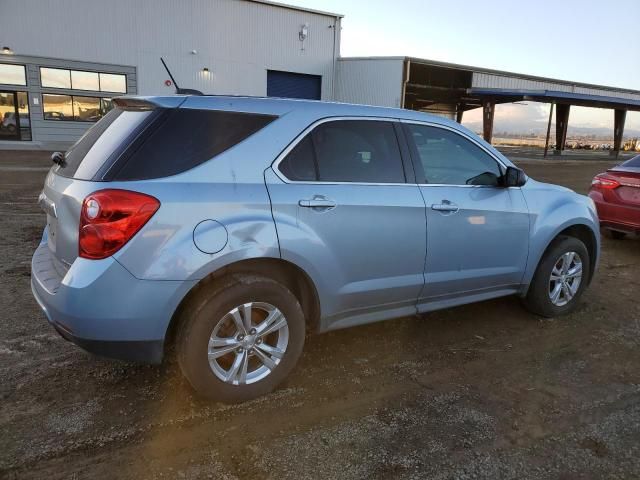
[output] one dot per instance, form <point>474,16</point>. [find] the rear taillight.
<point>604,183</point>
<point>110,218</point>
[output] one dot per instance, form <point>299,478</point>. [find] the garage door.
<point>293,85</point>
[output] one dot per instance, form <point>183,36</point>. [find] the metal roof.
<point>294,7</point>
<point>557,97</point>
<point>457,66</point>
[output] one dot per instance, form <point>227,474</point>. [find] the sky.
<point>586,41</point>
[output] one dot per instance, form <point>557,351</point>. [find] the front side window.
<point>360,151</point>
<point>12,74</point>
<point>448,158</point>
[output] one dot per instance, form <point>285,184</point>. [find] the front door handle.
<point>319,203</point>
<point>445,207</point>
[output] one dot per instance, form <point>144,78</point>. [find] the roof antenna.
<point>180,91</point>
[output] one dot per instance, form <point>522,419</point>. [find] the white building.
<point>62,60</point>
<point>65,59</point>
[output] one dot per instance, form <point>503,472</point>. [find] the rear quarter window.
<point>181,139</point>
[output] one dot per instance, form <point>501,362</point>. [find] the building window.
<point>111,82</point>
<point>57,107</point>
<point>74,108</point>
<point>12,74</point>
<point>55,78</point>
<point>86,109</point>
<point>82,80</point>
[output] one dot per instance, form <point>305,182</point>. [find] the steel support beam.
<point>488,110</point>
<point>618,130</point>
<point>562,121</point>
<point>546,143</point>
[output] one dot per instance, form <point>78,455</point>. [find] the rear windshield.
<point>100,142</point>
<point>634,162</point>
<point>138,145</point>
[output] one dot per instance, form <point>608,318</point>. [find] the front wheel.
<point>239,341</point>
<point>560,279</point>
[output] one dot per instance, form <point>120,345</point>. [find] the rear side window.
<point>183,138</point>
<point>363,151</point>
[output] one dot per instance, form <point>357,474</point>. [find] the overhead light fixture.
<point>7,51</point>
<point>205,70</point>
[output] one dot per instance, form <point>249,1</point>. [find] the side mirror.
<point>514,177</point>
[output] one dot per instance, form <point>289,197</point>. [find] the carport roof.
<point>549,96</point>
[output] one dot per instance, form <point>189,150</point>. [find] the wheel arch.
<point>582,232</point>
<point>283,271</point>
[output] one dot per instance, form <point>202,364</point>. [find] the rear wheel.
<point>560,278</point>
<point>240,340</point>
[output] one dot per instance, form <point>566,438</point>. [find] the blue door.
<point>477,230</point>
<point>346,214</point>
<point>293,85</point>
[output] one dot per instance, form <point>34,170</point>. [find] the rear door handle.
<point>445,207</point>
<point>318,203</point>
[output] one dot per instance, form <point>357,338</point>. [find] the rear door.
<point>348,211</point>
<point>477,230</point>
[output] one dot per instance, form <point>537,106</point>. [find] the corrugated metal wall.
<point>237,40</point>
<point>489,80</point>
<point>370,81</point>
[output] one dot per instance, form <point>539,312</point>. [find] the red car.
<point>616,193</point>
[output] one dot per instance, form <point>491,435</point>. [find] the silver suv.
<point>229,227</point>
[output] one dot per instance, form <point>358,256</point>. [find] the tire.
<point>210,311</point>
<point>538,299</point>
<point>617,235</point>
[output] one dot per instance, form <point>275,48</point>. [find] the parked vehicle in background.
<point>229,226</point>
<point>616,194</point>
<point>9,121</point>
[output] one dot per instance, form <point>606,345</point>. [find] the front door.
<point>345,212</point>
<point>477,230</point>
<point>9,116</point>
<point>14,116</point>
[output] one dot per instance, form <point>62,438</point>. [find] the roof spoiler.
<point>180,91</point>
<point>135,104</point>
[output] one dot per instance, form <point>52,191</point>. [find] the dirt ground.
<point>481,391</point>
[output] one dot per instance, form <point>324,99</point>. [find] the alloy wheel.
<point>248,343</point>
<point>565,279</point>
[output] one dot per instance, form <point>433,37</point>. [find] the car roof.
<point>281,106</point>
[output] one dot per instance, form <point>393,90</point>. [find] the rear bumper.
<point>617,217</point>
<point>101,307</point>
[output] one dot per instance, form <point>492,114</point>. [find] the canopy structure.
<point>452,89</point>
